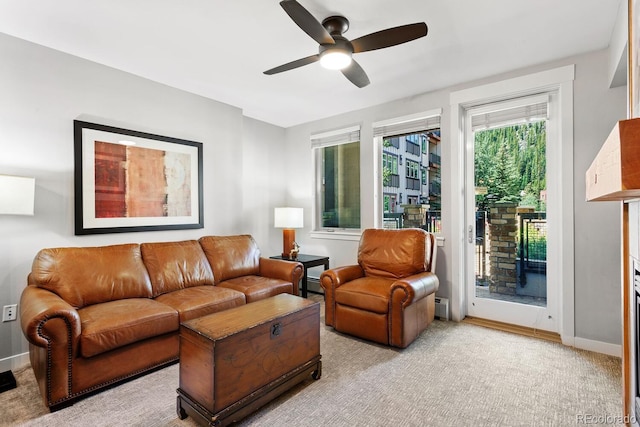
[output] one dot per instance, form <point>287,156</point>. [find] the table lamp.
<point>16,195</point>
<point>288,219</point>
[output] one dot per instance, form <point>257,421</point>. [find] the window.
<point>412,169</point>
<point>413,138</point>
<point>390,162</point>
<point>390,176</point>
<point>337,173</point>
<point>390,201</point>
<point>411,143</point>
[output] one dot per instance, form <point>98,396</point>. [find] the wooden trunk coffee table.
<point>235,361</point>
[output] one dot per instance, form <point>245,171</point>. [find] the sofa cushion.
<point>257,287</point>
<point>199,301</point>
<point>115,324</point>
<point>393,253</point>
<point>366,293</point>
<point>231,256</point>
<point>92,275</point>
<point>176,265</point>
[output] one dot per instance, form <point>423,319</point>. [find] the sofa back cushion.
<point>92,275</point>
<point>231,256</point>
<point>176,265</point>
<point>394,253</point>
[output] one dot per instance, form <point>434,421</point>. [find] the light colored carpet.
<point>454,374</point>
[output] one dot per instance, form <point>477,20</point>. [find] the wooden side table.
<point>307,261</point>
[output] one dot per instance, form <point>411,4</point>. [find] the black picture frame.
<point>119,176</point>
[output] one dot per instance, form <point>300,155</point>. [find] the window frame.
<point>390,128</point>
<point>557,79</point>
<point>319,141</point>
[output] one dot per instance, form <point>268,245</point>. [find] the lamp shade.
<point>288,218</point>
<point>17,195</point>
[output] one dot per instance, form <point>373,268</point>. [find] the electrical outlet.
<point>9,312</point>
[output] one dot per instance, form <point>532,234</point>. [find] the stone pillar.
<point>415,216</point>
<point>503,230</point>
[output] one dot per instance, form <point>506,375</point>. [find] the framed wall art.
<point>129,181</point>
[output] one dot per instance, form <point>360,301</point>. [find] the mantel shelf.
<point>615,172</point>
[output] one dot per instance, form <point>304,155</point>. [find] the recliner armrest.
<point>283,270</point>
<point>335,277</point>
<point>414,288</point>
<point>332,279</point>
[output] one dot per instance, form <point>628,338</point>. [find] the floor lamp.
<point>288,219</point>
<point>16,198</point>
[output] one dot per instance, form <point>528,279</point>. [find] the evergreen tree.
<point>511,162</point>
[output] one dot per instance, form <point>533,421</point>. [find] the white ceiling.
<point>220,48</point>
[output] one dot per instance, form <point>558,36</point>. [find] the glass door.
<point>507,223</point>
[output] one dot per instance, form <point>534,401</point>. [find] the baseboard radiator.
<point>442,308</point>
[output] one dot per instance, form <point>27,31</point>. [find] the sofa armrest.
<point>283,270</point>
<point>410,289</point>
<point>38,307</point>
<point>52,327</point>
<point>332,279</point>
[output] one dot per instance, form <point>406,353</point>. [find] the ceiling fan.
<point>335,51</point>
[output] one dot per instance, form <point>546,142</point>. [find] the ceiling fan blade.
<point>389,37</point>
<point>293,64</point>
<point>356,74</point>
<point>306,21</point>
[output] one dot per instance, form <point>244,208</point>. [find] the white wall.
<point>598,291</point>
<point>597,226</point>
<point>617,62</point>
<point>42,91</point>
<point>263,178</point>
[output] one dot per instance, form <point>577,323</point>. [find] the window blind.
<point>406,125</point>
<point>335,137</point>
<point>522,110</point>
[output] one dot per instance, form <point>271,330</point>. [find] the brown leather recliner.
<point>389,297</point>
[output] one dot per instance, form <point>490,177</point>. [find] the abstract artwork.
<point>133,181</point>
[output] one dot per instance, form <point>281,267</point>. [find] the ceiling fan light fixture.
<point>335,59</point>
<point>335,50</point>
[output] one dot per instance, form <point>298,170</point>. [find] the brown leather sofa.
<point>95,316</point>
<point>389,296</point>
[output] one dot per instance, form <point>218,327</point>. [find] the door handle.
<point>471,234</point>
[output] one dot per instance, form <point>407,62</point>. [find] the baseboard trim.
<point>515,329</point>
<point>577,342</point>
<point>598,346</point>
<point>14,362</point>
